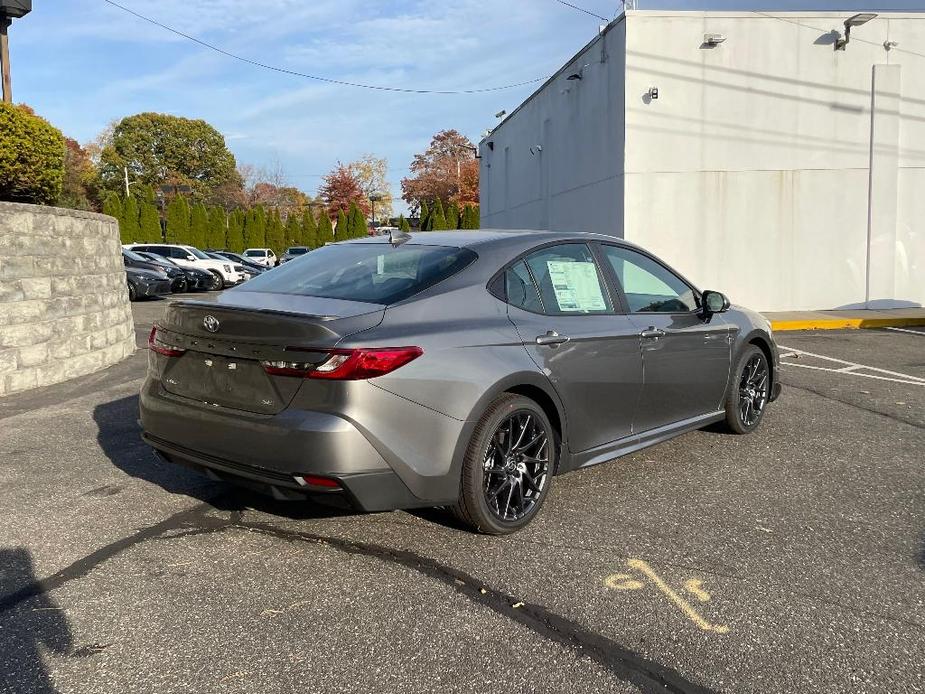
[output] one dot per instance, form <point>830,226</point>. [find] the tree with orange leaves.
<point>341,187</point>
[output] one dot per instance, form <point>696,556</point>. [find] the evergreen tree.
<point>425,223</point>
<point>356,222</point>
<point>325,229</point>
<point>439,220</point>
<point>294,231</point>
<point>341,232</point>
<point>452,216</point>
<point>235,236</point>
<point>217,229</point>
<point>309,230</point>
<point>198,226</point>
<point>276,235</point>
<point>149,222</point>
<point>403,223</point>
<point>128,224</point>
<point>178,219</point>
<point>113,207</point>
<point>255,231</point>
<point>470,217</point>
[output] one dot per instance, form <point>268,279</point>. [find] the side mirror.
<point>713,302</point>
<point>191,257</point>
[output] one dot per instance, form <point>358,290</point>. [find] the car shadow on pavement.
<point>119,437</point>
<point>29,624</point>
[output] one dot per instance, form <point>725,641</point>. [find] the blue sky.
<point>84,63</point>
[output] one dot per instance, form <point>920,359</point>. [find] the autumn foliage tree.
<point>447,171</point>
<point>341,187</point>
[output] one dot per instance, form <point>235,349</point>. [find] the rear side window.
<point>569,280</point>
<point>369,272</point>
<point>520,289</point>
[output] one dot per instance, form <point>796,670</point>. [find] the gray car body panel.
<point>416,421</point>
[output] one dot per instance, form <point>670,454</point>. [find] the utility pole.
<point>128,193</point>
<point>9,10</point>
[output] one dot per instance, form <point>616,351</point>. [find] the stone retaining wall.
<point>64,308</point>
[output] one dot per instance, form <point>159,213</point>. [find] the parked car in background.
<point>293,252</point>
<point>144,283</point>
<point>460,369</point>
<point>193,278</point>
<point>240,269</point>
<point>174,274</point>
<point>187,256</point>
<point>248,264</point>
<point>263,256</point>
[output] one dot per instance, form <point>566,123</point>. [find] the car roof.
<point>496,237</point>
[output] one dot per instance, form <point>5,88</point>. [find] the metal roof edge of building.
<point>610,25</point>
<point>792,14</point>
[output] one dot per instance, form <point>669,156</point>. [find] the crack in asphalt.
<point>623,663</point>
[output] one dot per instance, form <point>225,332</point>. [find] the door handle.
<point>652,333</point>
<point>551,338</point>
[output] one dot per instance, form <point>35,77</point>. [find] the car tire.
<point>183,286</point>
<point>217,281</point>
<point>506,496</point>
<point>749,392</point>
<point>132,294</point>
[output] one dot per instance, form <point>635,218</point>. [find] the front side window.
<point>371,273</point>
<point>649,287</point>
<point>569,280</point>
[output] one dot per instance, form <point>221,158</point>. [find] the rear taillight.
<point>156,344</point>
<point>348,364</point>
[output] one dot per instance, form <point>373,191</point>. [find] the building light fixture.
<point>713,39</point>
<point>853,21</point>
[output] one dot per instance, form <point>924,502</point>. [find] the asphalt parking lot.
<point>789,560</point>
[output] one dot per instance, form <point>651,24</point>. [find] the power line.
<point>318,78</point>
<point>581,9</point>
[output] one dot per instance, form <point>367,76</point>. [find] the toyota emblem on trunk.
<point>211,324</point>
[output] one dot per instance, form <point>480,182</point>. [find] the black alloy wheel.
<point>749,392</point>
<point>508,466</point>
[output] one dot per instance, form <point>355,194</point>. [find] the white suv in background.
<point>261,256</point>
<point>187,256</point>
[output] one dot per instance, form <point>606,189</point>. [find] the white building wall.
<point>751,172</point>
<point>557,162</point>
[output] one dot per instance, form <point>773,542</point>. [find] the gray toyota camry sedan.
<point>459,369</point>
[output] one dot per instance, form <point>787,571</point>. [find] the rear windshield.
<point>367,272</point>
<point>297,251</point>
<point>255,254</point>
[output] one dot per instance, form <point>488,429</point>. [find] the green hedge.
<point>31,157</point>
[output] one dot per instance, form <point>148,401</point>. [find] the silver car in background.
<point>459,369</point>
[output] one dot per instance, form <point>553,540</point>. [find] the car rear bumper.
<point>268,453</point>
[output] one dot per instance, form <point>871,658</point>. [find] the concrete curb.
<point>842,323</point>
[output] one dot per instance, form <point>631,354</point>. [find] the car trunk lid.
<point>226,342</point>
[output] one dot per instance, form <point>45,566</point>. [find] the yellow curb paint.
<point>844,323</point>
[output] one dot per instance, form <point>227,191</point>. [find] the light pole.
<point>9,10</point>
<point>373,199</point>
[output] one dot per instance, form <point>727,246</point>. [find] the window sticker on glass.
<point>576,286</point>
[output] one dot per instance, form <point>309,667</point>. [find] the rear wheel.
<point>217,281</point>
<point>508,467</point>
<point>748,392</point>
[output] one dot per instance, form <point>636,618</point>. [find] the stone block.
<point>23,379</point>
<point>14,267</point>
<point>8,360</point>
<point>35,287</point>
<point>25,335</point>
<point>34,355</point>
<point>14,312</point>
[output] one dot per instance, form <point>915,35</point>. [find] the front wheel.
<point>508,467</point>
<point>748,393</point>
<point>182,286</point>
<point>217,281</point>
<point>132,293</point>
